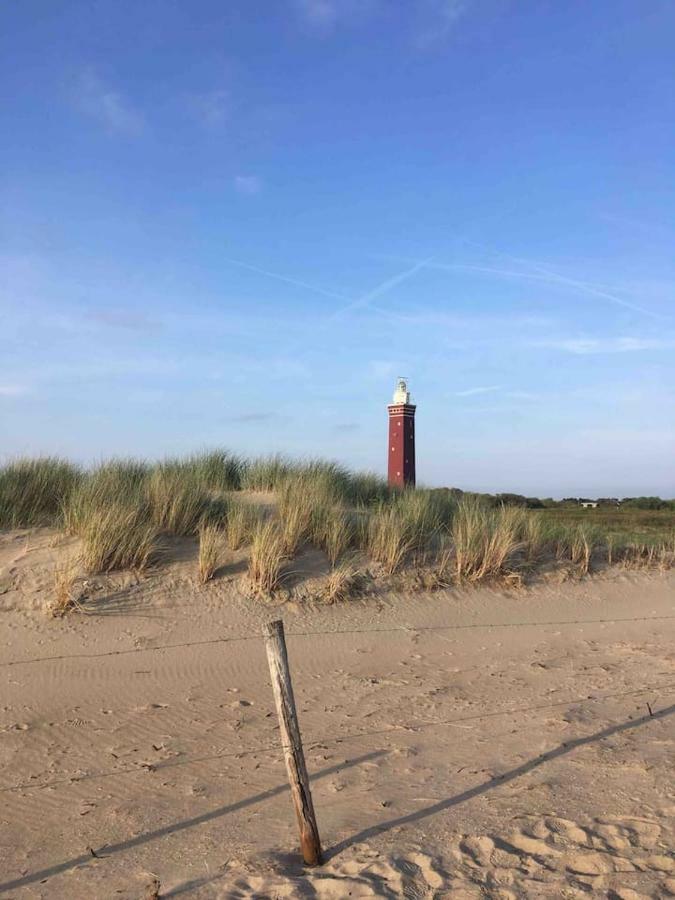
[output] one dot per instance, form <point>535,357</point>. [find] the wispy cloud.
<point>286,368</point>
<point>285,278</point>
<point>553,277</point>
<point>13,390</point>
<point>346,427</point>
<point>547,276</point>
<point>107,106</point>
<point>252,418</point>
<point>125,319</point>
<point>433,20</point>
<point>248,184</point>
<point>322,16</point>
<point>422,316</point>
<point>380,368</point>
<point>472,392</point>
<point>521,395</point>
<point>381,289</point>
<point>439,17</point>
<point>590,289</point>
<point>585,346</point>
<point>351,304</point>
<point>210,108</point>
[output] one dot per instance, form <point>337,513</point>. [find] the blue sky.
<point>234,224</point>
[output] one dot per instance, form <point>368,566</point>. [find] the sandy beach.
<point>466,744</point>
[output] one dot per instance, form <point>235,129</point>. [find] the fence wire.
<point>406,628</point>
<point>277,749</point>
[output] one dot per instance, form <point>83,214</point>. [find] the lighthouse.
<point>401,449</point>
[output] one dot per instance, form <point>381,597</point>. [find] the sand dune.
<point>460,745</point>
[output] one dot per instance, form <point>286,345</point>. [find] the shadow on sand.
<point>145,838</point>
<point>363,835</point>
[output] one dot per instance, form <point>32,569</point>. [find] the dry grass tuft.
<point>242,520</point>
<point>659,556</point>
<point>265,473</point>
<point>33,491</point>
<point>577,544</point>
<point>120,507</point>
<point>388,538</point>
<point>116,482</point>
<point>334,532</point>
<point>341,583</point>
<point>215,470</point>
<point>308,509</point>
<point>65,575</point>
<point>117,536</point>
<point>267,557</point>
<point>410,521</point>
<point>177,498</point>
<point>581,550</point>
<point>209,551</point>
<point>445,568</point>
<point>486,541</point>
<point>296,514</point>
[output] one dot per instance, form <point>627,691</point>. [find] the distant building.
<point>589,504</point>
<point>401,450</point>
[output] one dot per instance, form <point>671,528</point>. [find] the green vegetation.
<point>267,557</point>
<point>486,540</point>
<point>209,547</point>
<point>623,523</point>
<point>32,491</point>
<point>122,510</point>
<point>241,520</point>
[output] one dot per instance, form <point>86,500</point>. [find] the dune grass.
<point>65,575</point>
<point>209,551</point>
<point>387,539</point>
<point>271,473</point>
<point>122,507</point>
<point>410,521</point>
<point>217,470</point>
<point>265,474</point>
<point>341,583</point>
<point>121,482</point>
<point>297,512</point>
<point>242,519</point>
<point>485,540</point>
<point>306,501</point>
<point>659,555</point>
<point>267,557</point>
<point>118,536</point>
<point>334,532</point>
<point>33,491</point>
<point>178,498</point>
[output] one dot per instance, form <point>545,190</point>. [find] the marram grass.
<point>121,508</point>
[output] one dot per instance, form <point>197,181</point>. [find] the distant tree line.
<point>548,502</point>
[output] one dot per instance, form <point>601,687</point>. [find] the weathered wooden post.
<point>291,742</point>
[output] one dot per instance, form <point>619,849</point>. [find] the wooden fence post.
<point>292,742</point>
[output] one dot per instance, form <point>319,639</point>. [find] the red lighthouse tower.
<point>401,450</point>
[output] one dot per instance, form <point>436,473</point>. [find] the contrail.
<point>279,277</point>
<point>583,286</point>
<point>589,289</point>
<point>471,392</point>
<point>539,274</point>
<point>300,350</point>
<point>490,270</point>
<point>381,289</point>
<point>358,303</point>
